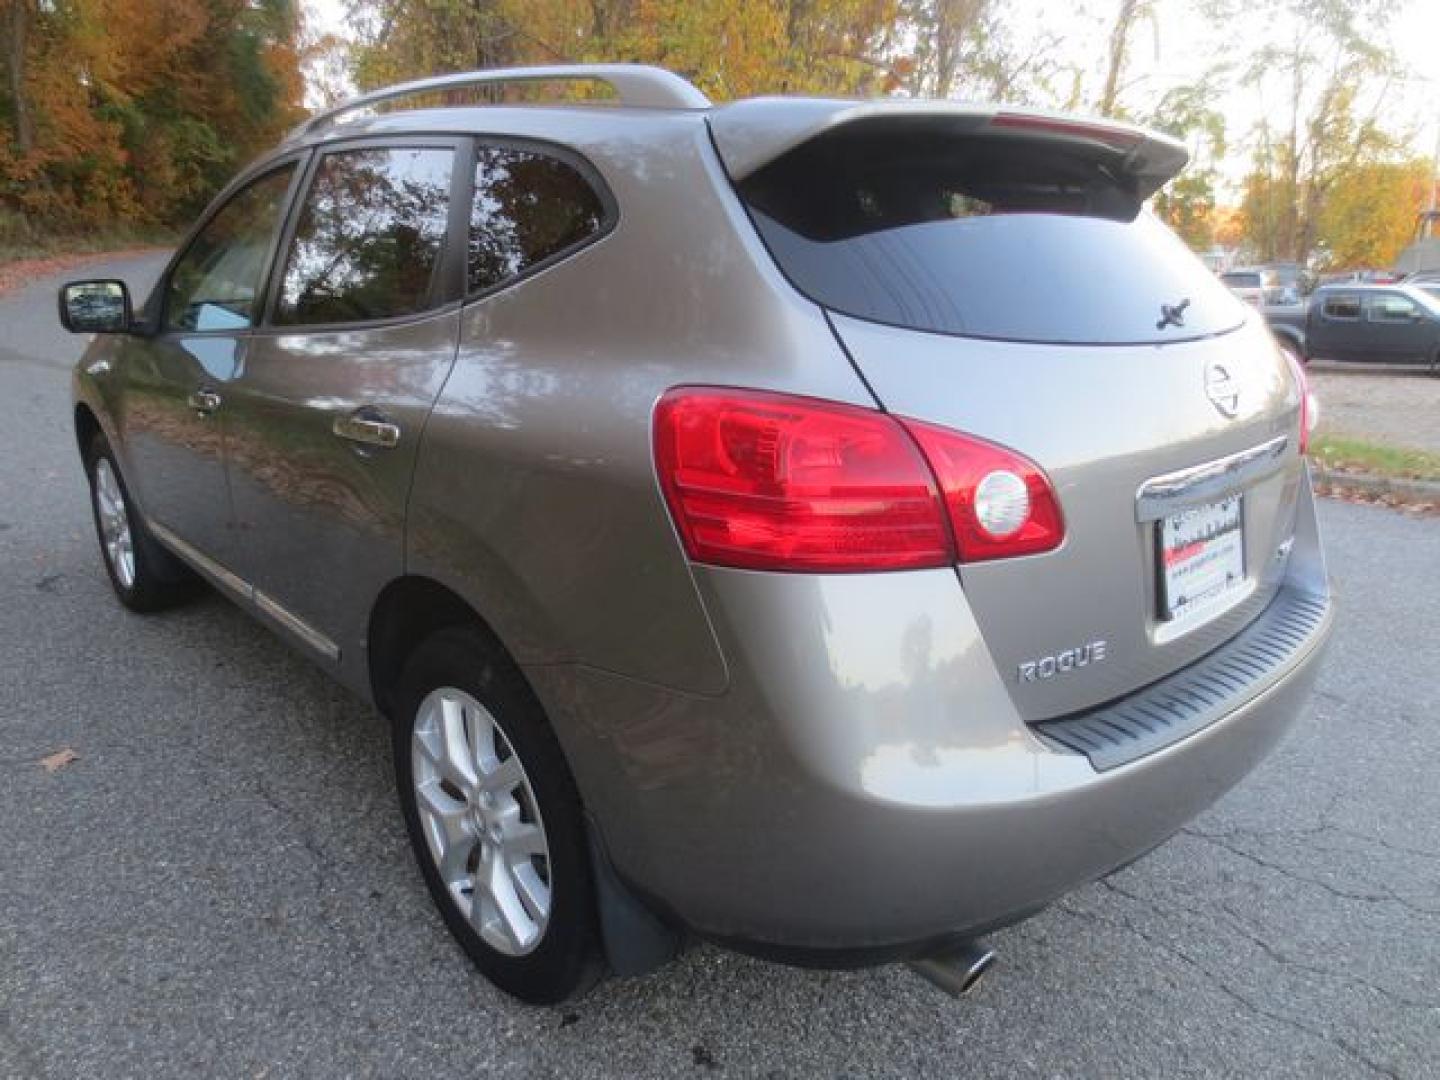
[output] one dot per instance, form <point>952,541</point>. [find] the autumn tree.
<point>135,111</point>
<point>1187,204</point>
<point>1370,212</point>
<point>729,48</point>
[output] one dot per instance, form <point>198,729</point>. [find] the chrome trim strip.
<point>267,605</point>
<point>1165,494</point>
<point>244,591</point>
<point>203,563</point>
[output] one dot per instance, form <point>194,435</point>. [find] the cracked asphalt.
<point>219,885</point>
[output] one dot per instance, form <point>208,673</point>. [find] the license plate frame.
<point>1200,557</point>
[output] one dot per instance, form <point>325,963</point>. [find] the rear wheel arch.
<point>413,609</point>
<point>87,426</point>
<point>408,610</point>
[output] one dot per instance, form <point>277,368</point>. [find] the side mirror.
<point>95,307</point>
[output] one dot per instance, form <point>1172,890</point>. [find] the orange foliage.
<point>141,108</point>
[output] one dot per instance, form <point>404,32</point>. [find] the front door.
<point>325,418</point>
<point>172,417</point>
<point>1398,331</point>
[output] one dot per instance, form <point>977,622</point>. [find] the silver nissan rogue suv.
<point>831,529</point>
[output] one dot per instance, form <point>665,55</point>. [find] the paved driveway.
<point>219,885</point>
<point>1395,407</point>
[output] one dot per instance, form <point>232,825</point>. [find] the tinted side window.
<point>1389,307</point>
<point>215,284</point>
<point>369,238</point>
<point>1341,307</point>
<point>528,206</point>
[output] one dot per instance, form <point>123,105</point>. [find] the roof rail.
<point>637,85</point>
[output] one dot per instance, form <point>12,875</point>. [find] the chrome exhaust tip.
<point>956,970</point>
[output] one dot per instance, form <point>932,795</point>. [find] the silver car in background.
<point>831,529</point>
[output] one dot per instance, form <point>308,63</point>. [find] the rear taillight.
<point>1309,406</point>
<point>1000,503</point>
<point>772,482</point>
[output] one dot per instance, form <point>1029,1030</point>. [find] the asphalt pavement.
<point>219,884</point>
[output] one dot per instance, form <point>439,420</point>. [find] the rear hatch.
<point>997,274</point>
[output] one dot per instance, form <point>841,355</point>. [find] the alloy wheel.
<point>481,821</point>
<point>115,534</point>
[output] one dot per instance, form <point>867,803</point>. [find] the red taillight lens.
<point>772,482</point>
<point>1309,406</point>
<point>1000,503</point>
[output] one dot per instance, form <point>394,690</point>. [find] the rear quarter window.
<point>981,237</point>
<point>529,208</point>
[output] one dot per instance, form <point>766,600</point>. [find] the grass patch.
<point>1345,454</point>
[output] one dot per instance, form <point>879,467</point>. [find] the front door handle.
<point>205,402</point>
<point>367,427</point>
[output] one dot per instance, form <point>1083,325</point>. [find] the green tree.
<point>1329,65</point>
<point>1187,203</point>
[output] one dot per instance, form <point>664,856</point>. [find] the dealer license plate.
<point>1202,557</point>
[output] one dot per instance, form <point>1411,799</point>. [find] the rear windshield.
<point>982,236</point>
<point>1241,281</point>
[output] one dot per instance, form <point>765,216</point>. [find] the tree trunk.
<point>15,62</point>
<point>954,22</point>
<point>1119,46</point>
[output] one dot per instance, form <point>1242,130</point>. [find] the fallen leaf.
<point>58,760</point>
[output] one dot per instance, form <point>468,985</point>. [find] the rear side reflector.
<point>772,482</point>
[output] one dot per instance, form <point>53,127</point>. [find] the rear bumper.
<point>865,790</point>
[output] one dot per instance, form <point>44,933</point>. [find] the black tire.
<point>567,960</point>
<point>160,580</point>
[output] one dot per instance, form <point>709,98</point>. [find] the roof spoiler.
<point>751,134</point>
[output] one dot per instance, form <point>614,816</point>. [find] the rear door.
<point>325,418</point>
<point>1337,327</point>
<point>1007,284</point>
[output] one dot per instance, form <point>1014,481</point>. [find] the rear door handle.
<point>367,427</point>
<point>205,402</point>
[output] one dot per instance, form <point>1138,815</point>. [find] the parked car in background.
<point>1287,323</point>
<point>1295,281</point>
<point>1387,324</point>
<point>1430,288</point>
<point>831,529</point>
<point>1248,285</point>
<point>1361,277</point>
<point>1262,285</point>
